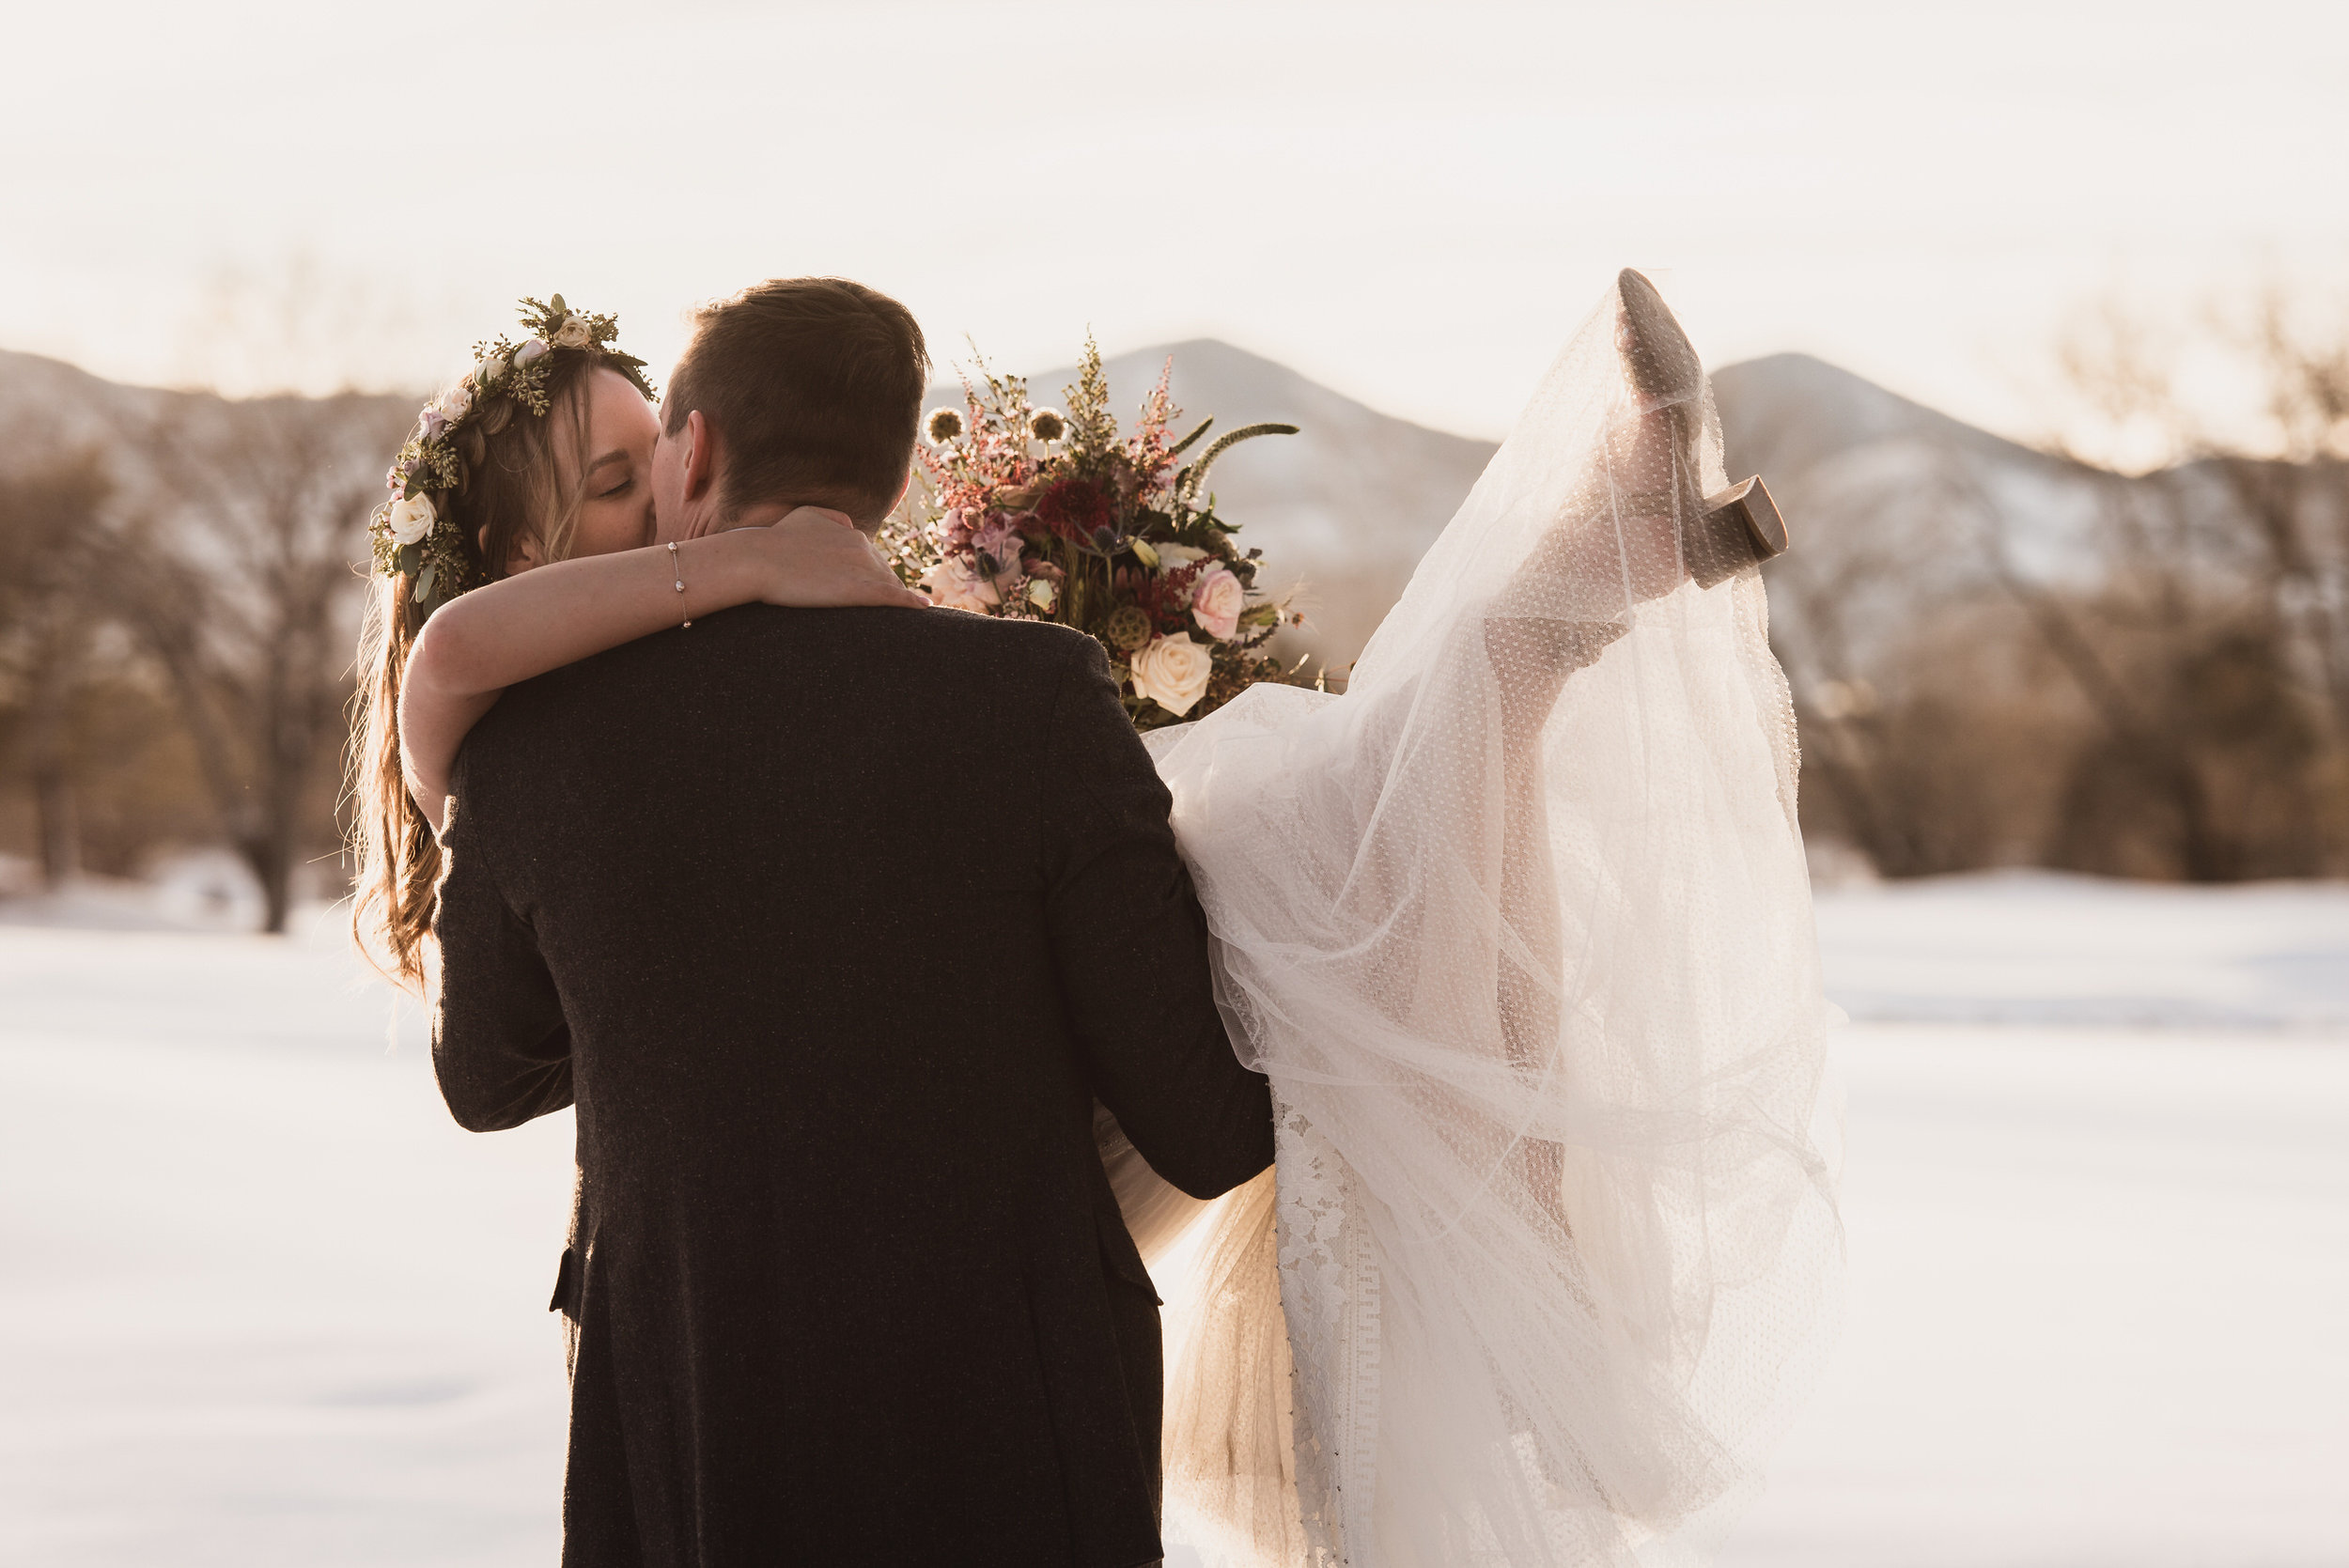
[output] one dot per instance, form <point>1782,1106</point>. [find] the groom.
<point>834,925</point>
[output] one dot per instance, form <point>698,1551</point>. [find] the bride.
<point>1520,929</point>
<point>1517,927</point>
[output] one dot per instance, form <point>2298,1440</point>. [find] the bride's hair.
<point>514,488</point>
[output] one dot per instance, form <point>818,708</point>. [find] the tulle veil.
<point>1519,928</point>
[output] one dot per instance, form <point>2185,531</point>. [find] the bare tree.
<point>48,515</point>
<point>2004,656</point>
<point>2293,498</point>
<point>2213,651</point>
<point>240,578</point>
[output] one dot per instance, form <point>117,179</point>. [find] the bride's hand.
<point>816,559</point>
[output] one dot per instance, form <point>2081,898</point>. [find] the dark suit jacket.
<point>834,925</point>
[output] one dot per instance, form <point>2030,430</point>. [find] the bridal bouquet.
<point>1040,515</point>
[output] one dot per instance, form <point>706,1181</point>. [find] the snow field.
<point>262,1303</point>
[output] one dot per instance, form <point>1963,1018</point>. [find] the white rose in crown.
<point>953,584</point>
<point>454,403</point>
<point>1216,600</point>
<point>489,370</point>
<point>1172,672</point>
<point>573,334</point>
<point>411,520</point>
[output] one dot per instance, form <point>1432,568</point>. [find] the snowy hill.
<point>1867,478</point>
<point>1896,511</point>
<point>1790,413</point>
<point>48,405</point>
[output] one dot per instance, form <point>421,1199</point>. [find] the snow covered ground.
<point>262,1304</point>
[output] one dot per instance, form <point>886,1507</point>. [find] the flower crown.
<point>411,535</point>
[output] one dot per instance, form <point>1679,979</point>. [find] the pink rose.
<point>955,585</point>
<point>1216,601</point>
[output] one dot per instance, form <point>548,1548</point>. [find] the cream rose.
<point>573,333</point>
<point>1172,672</point>
<point>1216,600</point>
<point>953,584</point>
<point>411,519</point>
<point>454,403</point>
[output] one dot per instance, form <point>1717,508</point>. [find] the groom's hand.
<point>817,558</point>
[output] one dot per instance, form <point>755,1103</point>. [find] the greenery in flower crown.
<point>411,535</point>
<point>1038,515</point>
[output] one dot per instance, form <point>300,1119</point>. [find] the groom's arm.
<point>500,1046</point>
<point>1131,946</point>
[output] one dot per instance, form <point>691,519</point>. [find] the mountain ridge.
<point>1345,510</point>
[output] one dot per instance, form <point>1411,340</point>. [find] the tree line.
<point>2156,684</point>
<point>2138,674</point>
<point>178,597</point>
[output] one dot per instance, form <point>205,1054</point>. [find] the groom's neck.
<point>759,515</point>
<point>767,513</point>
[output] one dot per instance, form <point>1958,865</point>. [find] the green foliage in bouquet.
<point>1040,515</point>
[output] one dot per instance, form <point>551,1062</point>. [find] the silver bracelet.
<point>677,572</point>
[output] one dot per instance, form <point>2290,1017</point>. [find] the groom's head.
<point>800,392</point>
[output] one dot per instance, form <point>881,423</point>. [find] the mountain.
<point>49,402</point>
<point>49,406</point>
<point>1896,511</point>
<point>1346,508</point>
<point>1869,481</point>
<point>1791,413</point>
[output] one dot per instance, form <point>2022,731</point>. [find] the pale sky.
<point>1412,203</point>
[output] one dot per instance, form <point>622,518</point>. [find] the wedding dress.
<point>1519,928</point>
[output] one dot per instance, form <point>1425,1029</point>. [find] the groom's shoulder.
<point>936,641</point>
<point>992,636</point>
<point>760,654</point>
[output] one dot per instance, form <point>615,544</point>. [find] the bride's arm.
<point>478,644</point>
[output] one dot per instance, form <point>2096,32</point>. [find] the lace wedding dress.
<point>1519,928</point>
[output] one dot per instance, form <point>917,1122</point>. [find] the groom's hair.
<point>814,387</point>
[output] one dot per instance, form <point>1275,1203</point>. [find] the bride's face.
<point>617,510</point>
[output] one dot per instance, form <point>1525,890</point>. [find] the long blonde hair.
<point>514,488</point>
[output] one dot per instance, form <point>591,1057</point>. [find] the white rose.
<point>1216,601</point>
<point>953,584</point>
<point>1176,557</point>
<point>1172,672</point>
<point>411,519</point>
<point>489,370</point>
<point>454,403</point>
<point>573,333</point>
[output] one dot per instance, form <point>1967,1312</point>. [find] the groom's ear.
<point>701,456</point>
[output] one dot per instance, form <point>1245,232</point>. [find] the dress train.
<point>1519,928</point>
